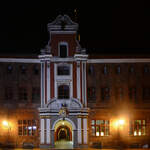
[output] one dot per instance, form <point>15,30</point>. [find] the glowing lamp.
<point>5,123</point>
<point>121,122</point>
<point>139,133</point>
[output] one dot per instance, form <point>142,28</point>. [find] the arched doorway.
<point>63,134</point>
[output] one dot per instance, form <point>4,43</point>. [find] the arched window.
<point>63,50</point>
<point>63,92</point>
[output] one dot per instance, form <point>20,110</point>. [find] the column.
<point>48,81</point>
<point>42,137</point>
<point>78,81</point>
<point>42,84</point>
<point>79,131</point>
<point>85,135</point>
<point>48,131</point>
<point>84,84</point>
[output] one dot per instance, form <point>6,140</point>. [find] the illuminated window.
<point>137,127</point>
<point>105,93</point>
<point>63,50</point>
<point>63,70</point>
<point>100,127</point>
<point>63,92</point>
<point>27,127</point>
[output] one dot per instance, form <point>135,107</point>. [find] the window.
<point>35,70</point>
<point>63,50</point>
<point>118,70</point>
<point>91,70</point>
<point>119,93</point>
<point>132,93</point>
<point>105,70</point>
<point>63,70</point>
<point>146,93</point>
<point>91,91</point>
<point>146,69</point>
<point>35,94</point>
<point>23,94</point>
<point>63,92</point>
<point>23,69</point>
<point>27,127</point>
<point>9,69</point>
<point>137,127</point>
<point>100,127</point>
<point>105,93</point>
<point>9,93</point>
<point>131,69</point>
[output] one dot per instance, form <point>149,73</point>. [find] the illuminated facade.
<point>66,94</point>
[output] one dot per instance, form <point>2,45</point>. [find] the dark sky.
<point>105,27</point>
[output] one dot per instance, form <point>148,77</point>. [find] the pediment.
<point>62,22</point>
<point>70,104</point>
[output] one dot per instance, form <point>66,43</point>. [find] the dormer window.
<point>63,70</point>
<point>63,50</point>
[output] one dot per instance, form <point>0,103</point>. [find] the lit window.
<point>63,92</point>
<point>63,70</point>
<point>100,127</point>
<point>63,50</point>
<point>137,127</point>
<point>27,127</point>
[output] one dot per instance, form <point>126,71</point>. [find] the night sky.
<point>106,27</point>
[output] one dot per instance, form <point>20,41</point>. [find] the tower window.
<point>63,92</point>
<point>63,50</point>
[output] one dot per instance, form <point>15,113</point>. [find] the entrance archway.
<point>63,134</point>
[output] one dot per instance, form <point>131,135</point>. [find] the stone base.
<point>45,146</point>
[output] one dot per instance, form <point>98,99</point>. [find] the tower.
<point>63,85</point>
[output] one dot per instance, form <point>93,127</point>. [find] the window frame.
<point>63,44</point>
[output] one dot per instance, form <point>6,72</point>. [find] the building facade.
<point>64,93</point>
